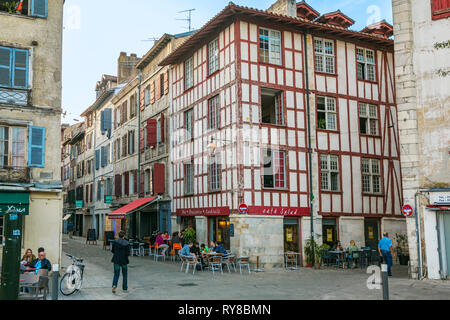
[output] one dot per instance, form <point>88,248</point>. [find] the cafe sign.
<point>218,211</point>
<point>278,211</point>
<point>14,202</point>
<point>14,208</point>
<point>440,198</point>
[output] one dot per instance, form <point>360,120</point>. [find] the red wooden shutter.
<point>440,9</point>
<point>92,192</point>
<point>152,92</point>
<point>158,89</point>
<point>118,186</point>
<point>162,128</point>
<point>166,82</point>
<point>87,193</point>
<point>127,183</point>
<point>151,132</point>
<point>142,191</point>
<point>142,140</point>
<point>142,102</point>
<point>158,178</point>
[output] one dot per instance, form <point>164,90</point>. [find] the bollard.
<point>55,270</point>
<point>385,281</point>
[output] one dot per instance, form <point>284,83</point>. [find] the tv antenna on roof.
<point>189,18</point>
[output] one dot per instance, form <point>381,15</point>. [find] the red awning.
<point>131,207</point>
<point>438,207</point>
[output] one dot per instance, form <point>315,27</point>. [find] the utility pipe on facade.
<point>138,174</point>
<point>311,197</point>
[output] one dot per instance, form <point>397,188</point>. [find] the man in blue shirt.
<point>186,250</point>
<point>386,251</point>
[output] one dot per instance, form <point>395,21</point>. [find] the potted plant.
<point>309,251</point>
<point>319,252</point>
<point>10,6</point>
<point>189,235</point>
<point>402,248</point>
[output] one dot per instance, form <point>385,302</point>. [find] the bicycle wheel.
<point>67,285</point>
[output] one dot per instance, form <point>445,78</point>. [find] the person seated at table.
<point>41,263</point>
<point>353,250</point>
<point>160,242</point>
<point>197,251</point>
<point>166,236</point>
<point>175,238</point>
<point>204,248</point>
<point>219,248</point>
<point>153,238</point>
<point>186,251</point>
<point>28,257</point>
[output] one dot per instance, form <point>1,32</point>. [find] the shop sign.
<point>288,234</point>
<point>219,211</point>
<point>14,208</point>
<point>278,211</point>
<point>79,204</point>
<point>440,198</point>
<point>370,229</point>
<point>108,199</point>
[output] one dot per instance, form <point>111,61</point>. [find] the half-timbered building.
<point>244,89</point>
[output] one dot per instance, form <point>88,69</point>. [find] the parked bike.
<point>72,280</point>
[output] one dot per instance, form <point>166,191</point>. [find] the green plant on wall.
<point>189,235</point>
<point>442,45</point>
<point>10,6</point>
<point>402,243</point>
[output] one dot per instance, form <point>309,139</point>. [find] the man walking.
<point>386,251</point>
<point>121,251</point>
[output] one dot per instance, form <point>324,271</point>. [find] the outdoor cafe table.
<point>338,254</point>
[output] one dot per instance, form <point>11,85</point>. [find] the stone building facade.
<point>241,88</point>
<point>30,121</point>
<point>423,98</point>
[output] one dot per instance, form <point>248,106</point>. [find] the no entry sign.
<point>407,210</point>
<point>243,209</point>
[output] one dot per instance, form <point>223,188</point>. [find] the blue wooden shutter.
<point>36,147</point>
<point>19,68</point>
<point>97,159</point>
<point>39,8</point>
<point>5,66</point>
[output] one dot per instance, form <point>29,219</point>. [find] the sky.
<point>95,32</point>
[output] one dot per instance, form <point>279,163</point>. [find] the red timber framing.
<point>239,80</point>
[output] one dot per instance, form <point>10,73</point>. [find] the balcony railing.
<point>20,97</point>
<point>15,174</point>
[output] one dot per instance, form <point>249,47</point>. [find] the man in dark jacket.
<point>121,251</point>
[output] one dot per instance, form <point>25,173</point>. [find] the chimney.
<point>126,67</point>
<point>284,7</point>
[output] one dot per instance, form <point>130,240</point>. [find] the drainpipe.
<point>138,172</point>
<point>311,197</point>
<point>94,194</point>
<point>419,258</point>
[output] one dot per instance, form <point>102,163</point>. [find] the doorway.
<point>219,230</point>
<point>444,242</point>
<point>329,232</point>
<point>371,233</point>
<point>291,235</point>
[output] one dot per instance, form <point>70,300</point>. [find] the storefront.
<point>130,217</point>
<point>372,232</point>
<point>15,203</point>
<point>210,224</point>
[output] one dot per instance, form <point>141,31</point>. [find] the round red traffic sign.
<point>243,208</point>
<point>407,210</point>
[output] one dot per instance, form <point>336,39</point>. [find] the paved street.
<point>162,280</point>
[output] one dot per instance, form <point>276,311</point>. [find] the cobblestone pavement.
<point>152,280</point>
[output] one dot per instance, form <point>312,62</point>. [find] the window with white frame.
<point>269,46</point>
<point>189,178</point>
<point>329,172</point>
<point>366,64</point>
<point>188,73</point>
<point>215,172</point>
<point>326,113</point>
<point>213,56</point>
<point>12,147</point>
<point>371,176</point>
<point>213,113</point>
<point>368,119</point>
<point>324,55</point>
<point>274,169</point>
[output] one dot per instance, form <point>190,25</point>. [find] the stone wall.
<point>351,228</point>
<point>258,235</point>
<point>284,7</point>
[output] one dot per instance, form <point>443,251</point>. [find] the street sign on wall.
<point>243,209</point>
<point>407,210</point>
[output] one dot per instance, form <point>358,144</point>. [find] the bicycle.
<point>72,280</point>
